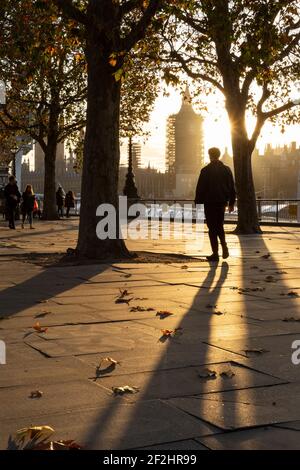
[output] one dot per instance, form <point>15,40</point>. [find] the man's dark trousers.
<point>11,215</point>
<point>214,215</point>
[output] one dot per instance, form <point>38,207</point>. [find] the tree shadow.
<point>208,292</point>
<point>226,400</point>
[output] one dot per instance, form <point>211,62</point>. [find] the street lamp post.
<point>14,152</point>
<point>130,189</point>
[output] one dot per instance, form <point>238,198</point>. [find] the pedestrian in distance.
<point>215,189</point>
<point>69,202</point>
<point>60,201</point>
<point>12,198</point>
<point>28,205</point>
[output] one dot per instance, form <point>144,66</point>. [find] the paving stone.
<point>179,445</point>
<point>57,397</point>
<point>39,371</point>
<point>48,318</point>
<point>268,438</point>
<point>135,360</point>
<point>77,346</point>
<point>270,346</point>
<point>241,408</point>
<point>186,381</point>
<point>116,425</point>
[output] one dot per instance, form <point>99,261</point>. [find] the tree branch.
<point>260,114</point>
<point>250,76</point>
<point>128,7</point>
<point>190,21</point>
<point>280,109</point>
<point>196,75</point>
<point>138,31</point>
<point>69,9</point>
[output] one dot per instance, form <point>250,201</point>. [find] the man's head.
<point>214,154</point>
<point>12,180</point>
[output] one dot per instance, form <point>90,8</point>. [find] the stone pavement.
<point>224,381</point>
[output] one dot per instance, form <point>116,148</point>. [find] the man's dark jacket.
<point>11,190</point>
<point>215,185</point>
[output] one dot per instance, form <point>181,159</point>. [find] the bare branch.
<point>196,75</point>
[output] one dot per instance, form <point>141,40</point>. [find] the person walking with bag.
<point>28,204</point>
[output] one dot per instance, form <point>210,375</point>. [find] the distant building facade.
<point>276,172</point>
<point>150,182</point>
<point>66,176</point>
<point>184,149</point>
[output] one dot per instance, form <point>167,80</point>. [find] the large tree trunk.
<point>101,152</point>
<point>247,210</point>
<point>49,207</point>
<point>242,150</point>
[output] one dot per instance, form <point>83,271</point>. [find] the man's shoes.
<point>213,258</point>
<point>225,253</point>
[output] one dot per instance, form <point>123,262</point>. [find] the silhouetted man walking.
<point>215,189</point>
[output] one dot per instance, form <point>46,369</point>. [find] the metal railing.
<point>272,211</point>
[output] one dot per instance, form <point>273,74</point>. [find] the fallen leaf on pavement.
<point>267,256</point>
<point>42,315</point>
<point>163,314</point>
<point>37,327</point>
<point>184,266</point>
<point>243,290</point>
<point>110,360</point>
<point>291,319</point>
<point>207,374</point>
<point>248,352</point>
<point>34,433</point>
<point>171,333</point>
<point>57,445</point>
<point>293,294</point>
<point>124,293</point>
<point>123,301</point>
<point>125,389</point>
<point>270,279</point>
<point>228,373</point>
<point>138,308</point>
<point>36,394</point>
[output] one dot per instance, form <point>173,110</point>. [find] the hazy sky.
<point>216,129</point>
